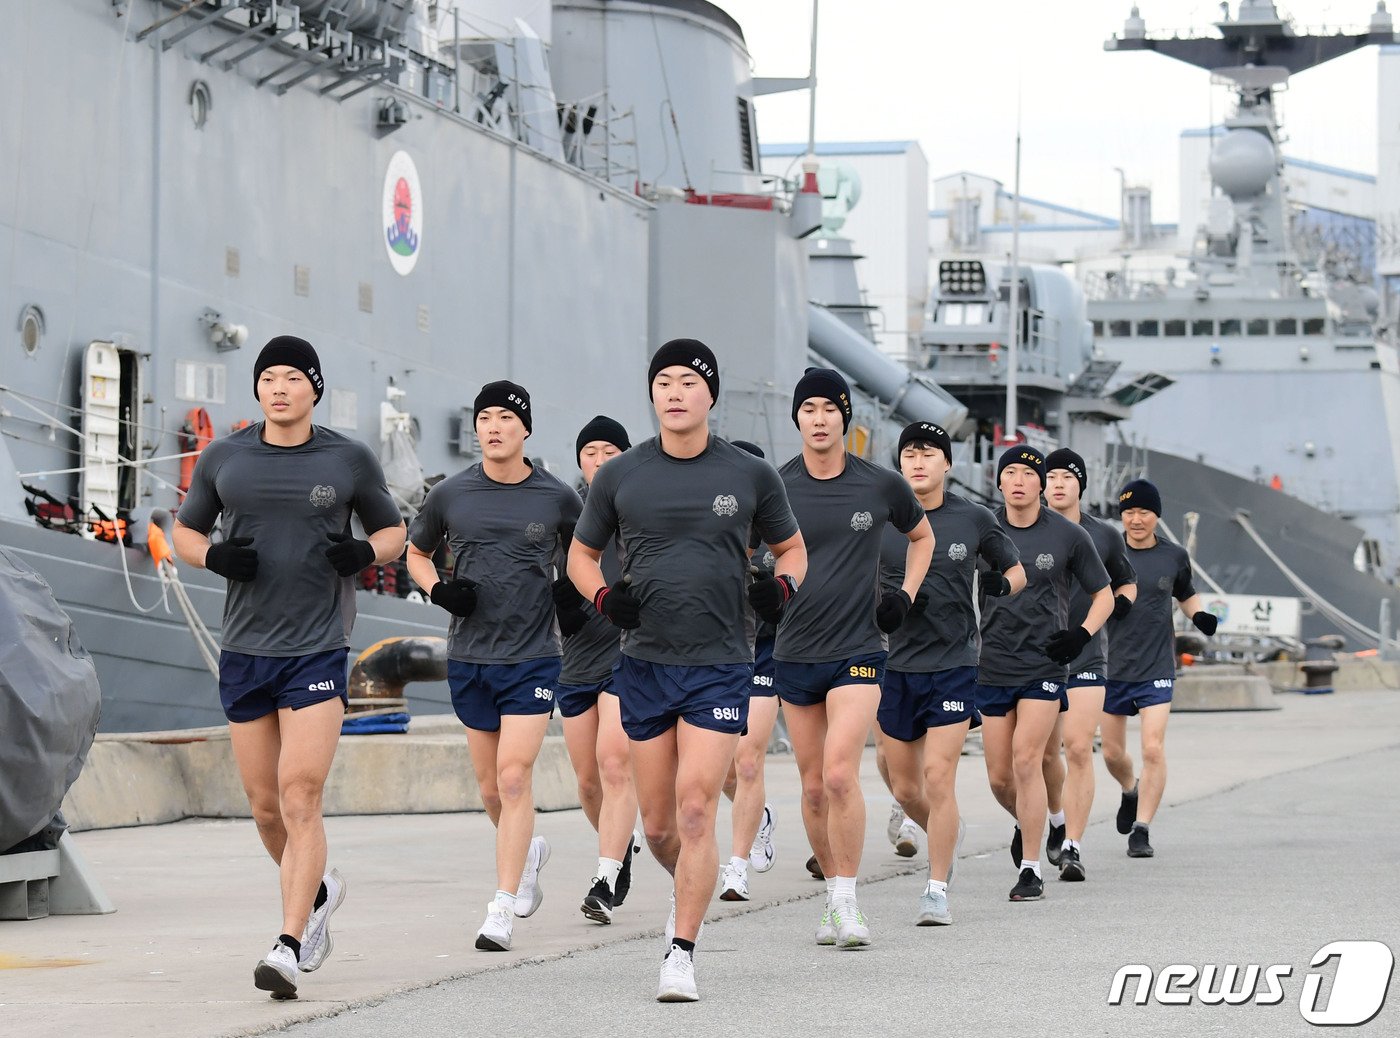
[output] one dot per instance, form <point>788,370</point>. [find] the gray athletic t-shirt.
<point>508,537</point>
<point>685,526</point>
<point>1142,645</point>
<point>590,654</point>
<point>945,634</point>
<point>843,519</point>
<point>1108,542</point>
<point>1055,553</point>
<point>288,499</point>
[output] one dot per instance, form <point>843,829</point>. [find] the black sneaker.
<point>624,877</point>
<point>1054,844</point>
<point>1138,847</point>
<point>1016,857</point>
<point>1071,868</point>
<point>1127,812</point>
<point>598,905</point>
<point>1029,887</point>
<point>814,868</point>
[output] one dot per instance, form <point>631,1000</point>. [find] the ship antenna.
<point>1015,331</point>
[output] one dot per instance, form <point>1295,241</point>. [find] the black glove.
<point>994,584</point>
<point>893,608</point>
<point>621,607</point>
<point>1205,622</point>
<point>457,596</point>
<point>233,559</point>
<point>1121,605</point>
<point>919,605</point>
<point>571,621</point>
<point>1064,646</point>
<point>348,555</point>
<point>768,594</point>
<point>568,606</point>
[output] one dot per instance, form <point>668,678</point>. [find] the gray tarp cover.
<point>49,702</point>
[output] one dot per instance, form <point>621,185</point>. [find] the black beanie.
<point>508,395</point>
<point>1140,494</point>
<point>925,432</point>
<point>1064,458</point>
<point>687,353</point>
<point>294,353</point>
<point>1022,454</point>
<point>601,427</point>
<point>825,383</point>
<point>752,448</point>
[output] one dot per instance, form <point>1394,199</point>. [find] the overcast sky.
<point>946,74</point>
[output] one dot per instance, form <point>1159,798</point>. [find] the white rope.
<point>1195,566</point>
<point>204,641</point>
<point>1327,608</point>
<point>133,464</point>
<point>131,592</point>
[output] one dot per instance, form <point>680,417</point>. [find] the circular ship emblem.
<point>861,521</point>
<point>1045,562</point>
<point>957,552</point>
<point>726,505</point>
<point>402,212</point>
<point>322,496</point>
<point>537,533</point>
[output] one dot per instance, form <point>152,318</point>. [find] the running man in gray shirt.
<point>829,657</point>
<point>685,504</point>
<point>1070,792</point>
<point>927,704</point>
<point>506,523</point>
<point>283,491</point>
<point>593,732</point>
<point>1027,641</point>
<point>1142,660</point>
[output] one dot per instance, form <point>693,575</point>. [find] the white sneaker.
<point>897,820</point>
<point>316,938</point>
<point>957,848</point>
<point>494,934</point>
<point>933,909</point>
<point>530,895</point>
<point>277,972</point>
<point>851,928</point>
<point>734,883</point>
<point>906,843</point>
<point>677,978</point>
<point>826,929</point>
<point>762,853</point>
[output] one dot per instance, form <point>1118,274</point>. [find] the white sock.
<point>506,900</point>
<point>844,886</point>
<point>936,886</point>
<point>739,864</point>
<point>1034,866</point>
<point>830,888</point>
<point>1071,844</point>
<point>1058,818</point>
<point>608,869</point>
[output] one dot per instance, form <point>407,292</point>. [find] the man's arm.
<point>917,557</point>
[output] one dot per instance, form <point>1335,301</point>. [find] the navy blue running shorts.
<point>763,668</point>
<point>653,697</point>
<point>1126,698</point>
<point>806,684</point>
<point>998,700</point>
<point>1085,679</point>
<point>911,704</point>
<point>482,693</point>
<point>254,686</point>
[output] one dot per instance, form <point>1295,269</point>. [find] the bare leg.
<point>257,745</point>
<point>309,738</point>
<point>654,765</point>
<point>904,775</point>
<point>807,730</point>
<point>514,749</point>
<point>618,814</point>
<point>850,712</point>
<point>997,735</point>
<point>1154,760</point>
<point>1035,721</point>
<point>1115,750</point>
<point>942,749</point>
<point>1079,725</point>
<point>581,740</point>
<point>1052,767</point>
<point>748,770</point>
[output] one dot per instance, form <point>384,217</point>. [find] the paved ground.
<point>1278,836</point>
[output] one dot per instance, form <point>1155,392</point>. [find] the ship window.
<point>1230,326</point>
<point>1286,326</point>
<point>1120,329</point>
<point>1175,329</point>
<point>1098,329</point>
<point>1147,329</point>
<point>1257,326</point>
<point>1204,327</point>
<point>1314,326</point>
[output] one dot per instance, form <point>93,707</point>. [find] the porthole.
<point>31,329</point>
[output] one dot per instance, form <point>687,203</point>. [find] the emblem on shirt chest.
<point>957,552</point>
<point>726,505</point>
<point>1164,583</point>
<point>537,533</point>
<point>322,496</point>
<point>1045,561</point>
<point>862,521</point>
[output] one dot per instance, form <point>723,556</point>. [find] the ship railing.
<point>1135,284</point>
